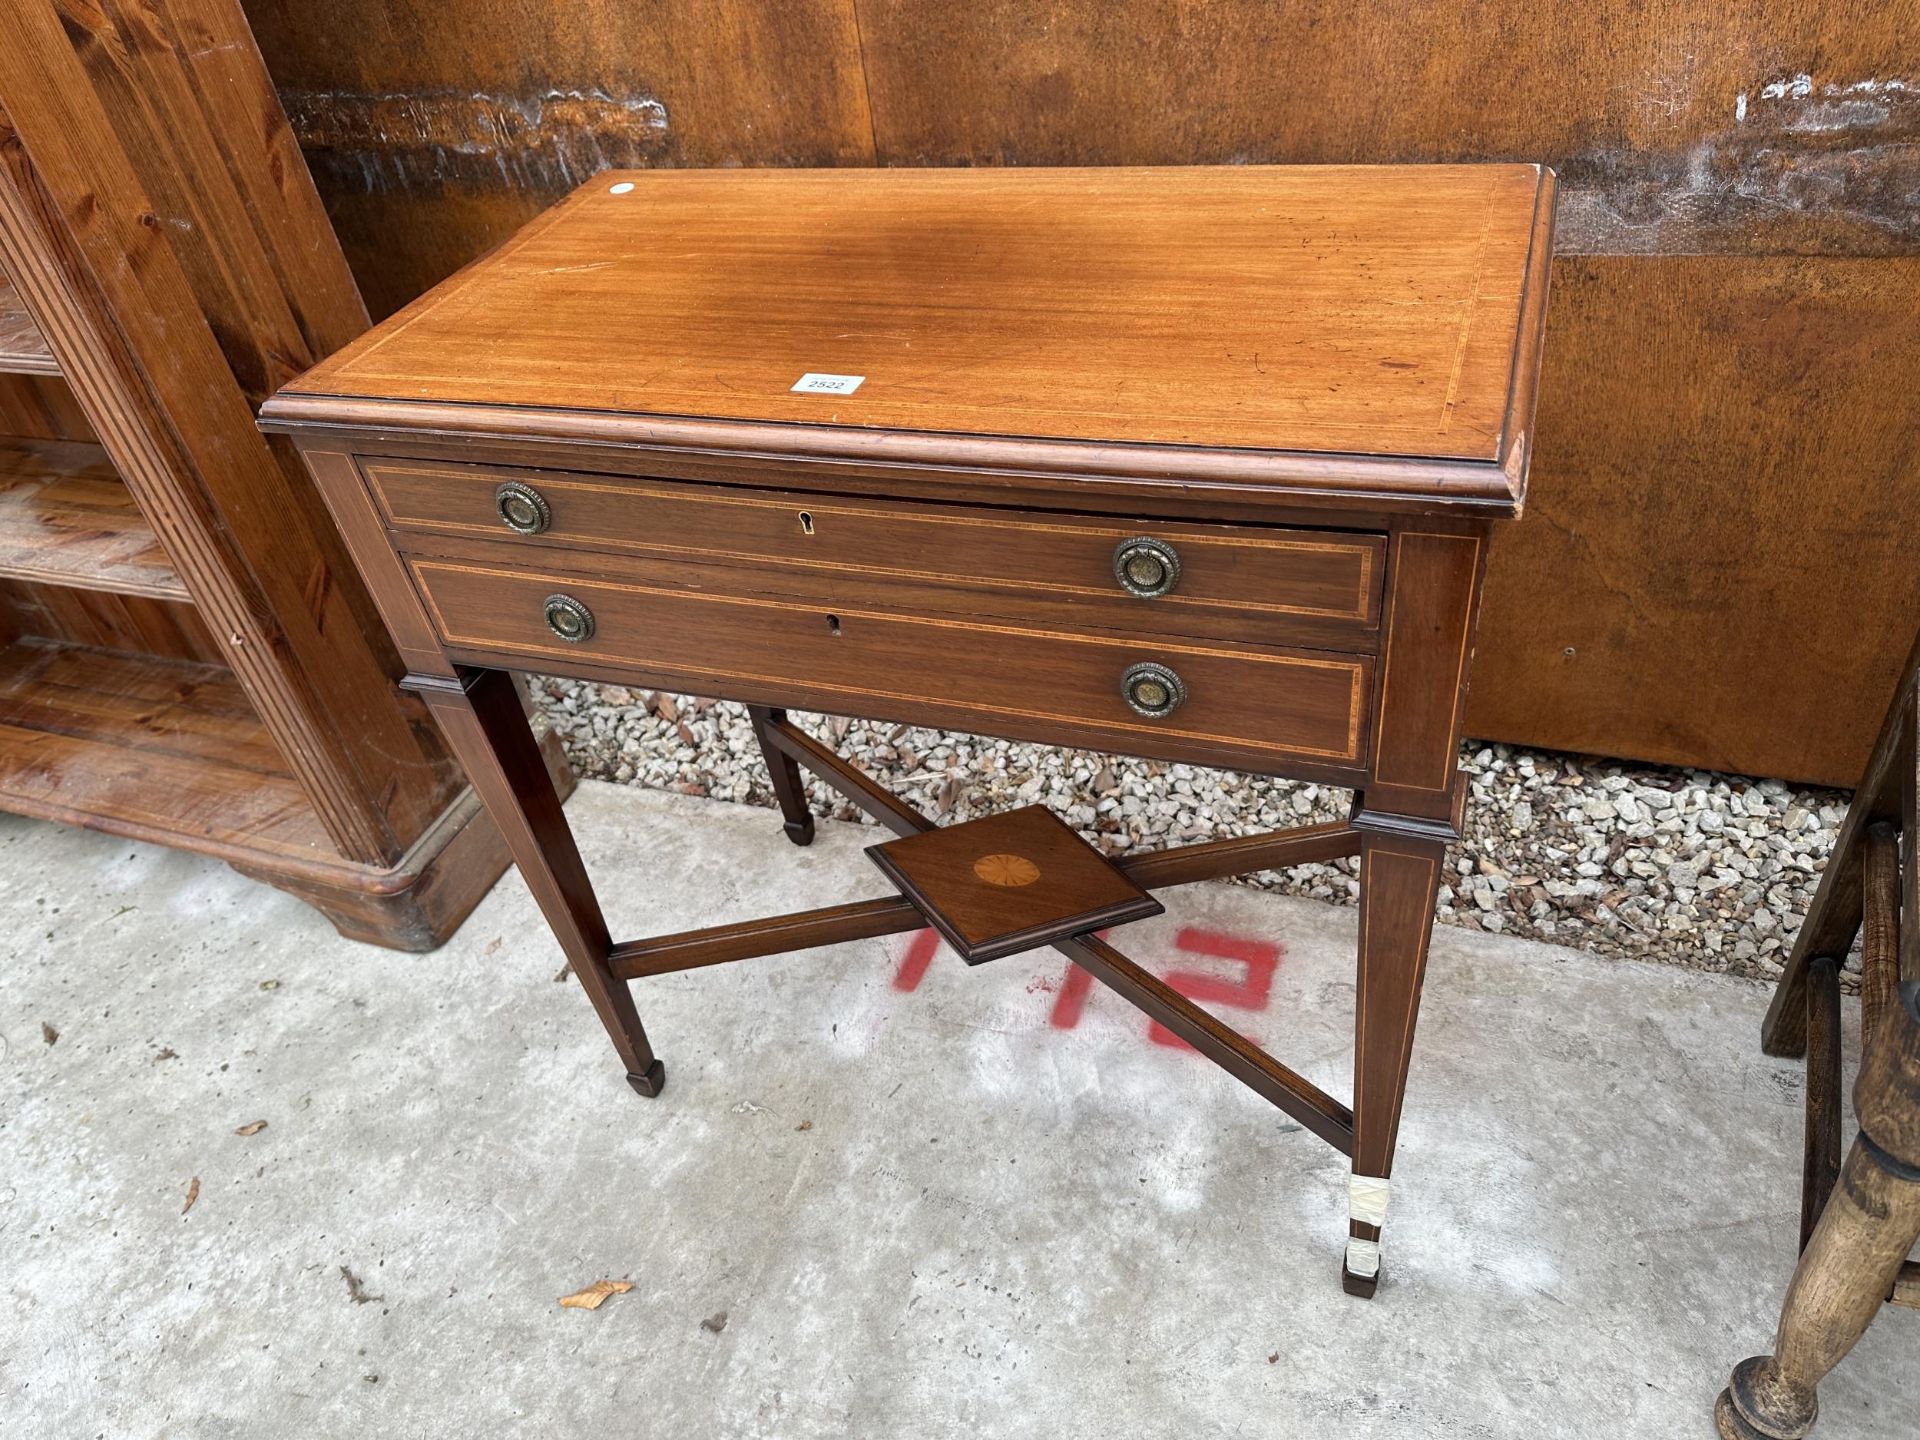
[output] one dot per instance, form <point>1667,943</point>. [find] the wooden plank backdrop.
<point>1715,569</point>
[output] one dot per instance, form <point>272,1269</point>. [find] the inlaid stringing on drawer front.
<point>708,639</point>
<point>1315,588</point>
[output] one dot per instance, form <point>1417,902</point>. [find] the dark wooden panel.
<point>470,118</point>
<point>1675,127</point>
<point>549,92</point>
<point>401,243</point>
<point>435,131</point>
<point>1716,567</point>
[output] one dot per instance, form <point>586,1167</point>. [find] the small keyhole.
<point>806,523</point>
<point>833,624</point>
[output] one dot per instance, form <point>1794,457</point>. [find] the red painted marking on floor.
<point>1252,991</point>
<point>913,965</point>
<point>1071,1002</point>
<point>1260,957</point>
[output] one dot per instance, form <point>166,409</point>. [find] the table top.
<point>1381,314</point>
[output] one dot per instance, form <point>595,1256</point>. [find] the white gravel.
<point>1712,872</point>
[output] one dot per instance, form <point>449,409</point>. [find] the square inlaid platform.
<point>1011,882</point>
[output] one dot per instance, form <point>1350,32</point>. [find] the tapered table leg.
<point>789,788</point>
<point>483,721</point>
<point>1399,879</point>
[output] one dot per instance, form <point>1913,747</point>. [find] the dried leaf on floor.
<point>492,946</point>
<point>560,975</point>
<point>665,708</point>
<point>193,1194</point>
<point>48,1033</point>
<point>167,1052</point>
<point>356,1291</point>
<point>841,724</point>
<point>715,1322</point>
<point>595,1295</point>
<point>269,984</point>
<point>254,1128</point>
<point>804,1125</point>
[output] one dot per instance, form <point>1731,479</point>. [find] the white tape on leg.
<point>1367,1199</point>
<point>1363,1258</point>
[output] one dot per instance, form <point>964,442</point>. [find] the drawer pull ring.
<point>1152,690</point>
<point>1146,567</point>
<point>569,619</point>
<point>522,507</point>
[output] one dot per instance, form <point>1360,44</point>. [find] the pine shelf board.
<point>66,518</point>
<point>168,751</point>
<point>23,349</point>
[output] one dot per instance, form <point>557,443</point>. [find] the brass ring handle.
<point>1152,690</point>
<point>569,619</point>
<point>1146,567</point>
<point>522,507</point>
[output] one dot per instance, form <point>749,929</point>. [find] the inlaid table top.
<point>1311,321</point>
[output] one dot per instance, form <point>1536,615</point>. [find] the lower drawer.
<point>1245,706</point>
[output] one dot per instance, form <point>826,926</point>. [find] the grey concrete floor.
<point>957,1208</point>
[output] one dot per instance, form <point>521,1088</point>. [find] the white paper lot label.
<point>812,384</point>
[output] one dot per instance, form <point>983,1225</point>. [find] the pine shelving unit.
<point>157,742</point>
<point>186,654</point>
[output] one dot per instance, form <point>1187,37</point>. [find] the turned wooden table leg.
<point>1399,879</point>
<point>1869,1226</point>
<point>481,716</point>
<point>1847,1271</point>
<point>789,787</point>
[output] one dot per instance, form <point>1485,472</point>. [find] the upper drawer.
<point>1256,583</point>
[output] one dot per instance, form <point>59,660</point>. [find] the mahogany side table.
<point>1197,464</point>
